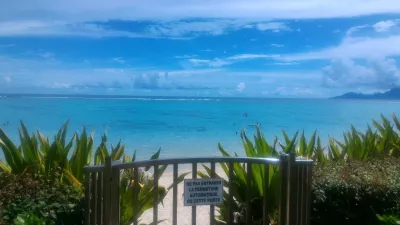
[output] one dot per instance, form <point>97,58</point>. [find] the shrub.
<point>354,192</point>
<point>31,219</point>
<point>389,219</point>
<point>39,195</point>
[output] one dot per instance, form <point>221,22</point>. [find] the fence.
<point>102,186</point>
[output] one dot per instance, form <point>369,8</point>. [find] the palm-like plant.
<point>260,148</point>
<point>37,155</point>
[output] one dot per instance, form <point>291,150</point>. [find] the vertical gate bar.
<point>106,191</point>
<point>303,195</point>
<point>308,195</point>
<point>265,195</point>
<point>230,196</point>
<point>194,176</point>
<point>112,198</point>
<point>175,196</point>
<point>115,197</point>
<point>100,198</point>
<point>212,207</point>
<point>93,184</point>
<point>284,197</point>
<point>298,194</point>
<point>293,191</point>
<point>155,202</point>
<point>135,195</point>
<point>248,194</point>
<point>87,198</point>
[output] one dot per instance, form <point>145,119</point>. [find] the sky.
<point>224,48</point>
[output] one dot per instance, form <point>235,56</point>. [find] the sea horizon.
<point>194,126</point>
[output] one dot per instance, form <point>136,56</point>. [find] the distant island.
<point>393,93</point>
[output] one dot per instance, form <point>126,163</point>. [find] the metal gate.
<point>102,197</point>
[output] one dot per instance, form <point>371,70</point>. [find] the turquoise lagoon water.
<point>185,127</point>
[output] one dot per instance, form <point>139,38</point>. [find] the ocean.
<point>188,127</point>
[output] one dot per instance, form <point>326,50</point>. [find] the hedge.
<point>354,192</point>
<point>39,195</point>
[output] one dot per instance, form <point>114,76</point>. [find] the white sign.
<point>203,192</point>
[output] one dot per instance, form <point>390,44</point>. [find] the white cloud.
<point>381,74</point>
<point>274,26</point>
<point>89,10</point>
<point>7,46</point>
<point>46,55</point>
<point>216,62</point>
<point>250,56</point>
<point>219,62</point>
<point>119,60</point>
<point>176,29</point>
<point>58,28</point>
<point>384,26</point>
<point>286,63</point>
<point>355,29</point>
<point>353,48</point>
<point>240,87</point>
<point>185,56</point>
<point>7,79</point>
<point>277,45</point>
<point>193,28</point>
<point>174,17</point>
<point>291,91</point>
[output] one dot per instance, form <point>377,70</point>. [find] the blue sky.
<point>232,48</point>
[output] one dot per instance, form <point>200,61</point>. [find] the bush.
<point>353,192</point>
<point>31,219</point>
<point>45,197</point>
<point>389,219</point>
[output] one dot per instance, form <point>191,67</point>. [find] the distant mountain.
<point>393,93</point>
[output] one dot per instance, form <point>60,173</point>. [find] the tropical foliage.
<point>389,219</point>
<point>381,142</point>
<point>28,196</point>
<point>36,155</point>
<point>352,192</point>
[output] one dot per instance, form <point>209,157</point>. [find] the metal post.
<point>265,195</point>
<point>175,196</point>
<point>93,205</point>
<point>230,194</point>
<point>100,198</point>
<point>294,193</point>
<point>212,207</point>
<point>155,201</point>
<point>87,198</point>
<point>284,197</point>
<point>135,195</point>
<point>106,191</point>
<point>248,194</point>
<point>194,210</point>
<point>115,198</point>
<point>308,195</point>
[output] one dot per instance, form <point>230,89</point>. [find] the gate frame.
<point>102,201</point>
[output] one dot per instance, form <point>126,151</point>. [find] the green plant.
<point>146,190</point>
<point>36,154</point>
<point>260,148</point>
<point>388,219</point>
<point>31,219</point>
<point>356,145</point>
<point>41,195</point>
<point>352,192</point>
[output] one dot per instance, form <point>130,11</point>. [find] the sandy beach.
<point>184,212</point>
